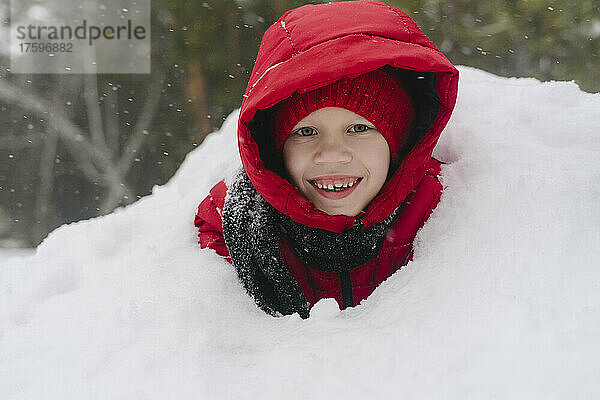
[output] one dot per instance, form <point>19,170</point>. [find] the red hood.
<point>315,45</point>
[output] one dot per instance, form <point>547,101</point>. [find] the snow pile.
<point>502,299</point>
<point>7,253</point>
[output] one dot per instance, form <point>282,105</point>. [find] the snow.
<point>7,253</point>
<point>501,301</point>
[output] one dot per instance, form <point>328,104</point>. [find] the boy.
<point>342,111</point>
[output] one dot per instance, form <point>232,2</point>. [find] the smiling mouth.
<point>335,186</point>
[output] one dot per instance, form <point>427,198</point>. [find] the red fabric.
<point>311,47</point>
<point>209,223</point>
<point>315,45</point>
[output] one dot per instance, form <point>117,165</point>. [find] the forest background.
<point>74,147</point>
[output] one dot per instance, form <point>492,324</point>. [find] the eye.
<point>359,128</point>
<point>305,131</point>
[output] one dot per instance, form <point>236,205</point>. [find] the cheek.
<point>376,157</point>
<point>293,162</point>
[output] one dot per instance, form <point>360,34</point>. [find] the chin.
<point>347,211</point>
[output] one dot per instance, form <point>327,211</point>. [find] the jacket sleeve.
<point>209,221</point>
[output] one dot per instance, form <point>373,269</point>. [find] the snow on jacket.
<point>310,47</point>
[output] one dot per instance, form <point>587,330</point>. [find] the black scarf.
<point>252,226</point>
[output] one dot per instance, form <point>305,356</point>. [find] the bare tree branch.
<point>90,94</point>
<point>95,165</point>
<point>111,120</point>
<point>44,193</point>
<point>43,203</point>
<point>195,88</point>
<point>143,123</point>
<point>13,142</point>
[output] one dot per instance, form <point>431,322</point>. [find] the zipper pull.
<point>357,223</point>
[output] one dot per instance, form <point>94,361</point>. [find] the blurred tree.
<point>545,39</point>
<point>72,143</point>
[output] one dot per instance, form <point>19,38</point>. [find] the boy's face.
<point>337,159</point>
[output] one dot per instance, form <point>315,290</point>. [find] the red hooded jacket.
<point>313,46</point>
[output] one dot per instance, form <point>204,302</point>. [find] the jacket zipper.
<point>346,285</point>
<point>345,281</point>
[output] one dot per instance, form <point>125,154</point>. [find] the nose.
<point>332,150</point>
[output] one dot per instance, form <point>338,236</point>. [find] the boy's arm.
<point>209,221</point>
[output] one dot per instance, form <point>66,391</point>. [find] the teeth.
<point>336,187</point>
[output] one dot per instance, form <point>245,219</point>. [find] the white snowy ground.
<point>502,300</point>
<point>7,253</point>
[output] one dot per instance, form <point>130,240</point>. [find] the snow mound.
<point>502,299</point>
